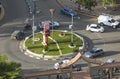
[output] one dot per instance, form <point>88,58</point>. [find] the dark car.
<point>68,11</point>
<point>94,52</point>
<point>19,35</point>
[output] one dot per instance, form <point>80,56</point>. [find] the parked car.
<point>55,24</point>
<point>94,52</point>
<point>18,35</point>
<point>57,65</point>
<point>68,11</point>
<point>107,20</point>
<point>95,28</point>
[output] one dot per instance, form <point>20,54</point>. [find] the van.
<point>108,21</point>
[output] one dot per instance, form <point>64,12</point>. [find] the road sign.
<point>34,28</point>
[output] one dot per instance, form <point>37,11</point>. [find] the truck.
<point>108,21</point>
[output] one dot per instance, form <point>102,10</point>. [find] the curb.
<point>2,13</point>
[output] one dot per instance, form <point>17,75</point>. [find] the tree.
<point>9,70</point>
<point>109,2</point>
<point>88,4</point>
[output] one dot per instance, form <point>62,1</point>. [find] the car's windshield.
<point>60,62</point>
<point>98,26</point>
<point>112,20</point>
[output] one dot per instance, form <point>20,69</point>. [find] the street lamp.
<point>52,11</point>
<point>71,27</point>
<point>33,18</point>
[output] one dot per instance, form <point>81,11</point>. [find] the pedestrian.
<point>26,21</point>
<point>57,77</point>
<point>61,77</point>
<point>0,7</point>
<point>79,68</point>
<point>76,2</point>
<point>78,7</point>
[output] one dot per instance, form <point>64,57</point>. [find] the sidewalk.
<point>95,12</point>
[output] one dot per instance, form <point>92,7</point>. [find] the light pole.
<point>33,18</point>
<point>71,27</point>
<point>52,11</point>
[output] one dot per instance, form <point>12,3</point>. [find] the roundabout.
<point>59,46</point>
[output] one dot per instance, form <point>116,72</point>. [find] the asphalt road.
<point>15,9</point>
<point>15,16</point>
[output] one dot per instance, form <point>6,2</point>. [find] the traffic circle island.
<point>58,46</point>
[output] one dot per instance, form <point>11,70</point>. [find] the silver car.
<point>94,52</point>
<point>55,24</point>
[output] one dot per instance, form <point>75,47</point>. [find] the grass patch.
<point>63,42</point>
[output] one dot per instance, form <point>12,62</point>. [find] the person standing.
<point>0,7</point>
<point>78,7</point>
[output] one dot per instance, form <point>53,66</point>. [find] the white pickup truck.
<point>109,21</point>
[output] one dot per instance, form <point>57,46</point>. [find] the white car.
<point>110,60</point>
<point>57,65</point>
<point>94,28</point>
<point>55,24</point>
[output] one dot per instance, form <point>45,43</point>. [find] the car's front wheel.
<point>102,24</point>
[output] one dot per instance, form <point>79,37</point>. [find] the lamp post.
<point>33,18</point>
<point>52,11</point>
<point>71,28</point>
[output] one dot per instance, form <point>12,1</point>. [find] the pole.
<point>52,11</point>
<point>33,27</point>
<point>52,25</point>
<point>34,11</point>
<point>72,29</point>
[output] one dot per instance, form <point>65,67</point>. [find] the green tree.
<point>109,2</point>
<point>88,4</point>
<point>9,70</point>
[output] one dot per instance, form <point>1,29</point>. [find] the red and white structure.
<point>46,33</point>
